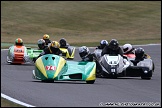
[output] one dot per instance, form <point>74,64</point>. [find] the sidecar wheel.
<point>48,81</point>
<point>147,78</point>
<point>90,82</point>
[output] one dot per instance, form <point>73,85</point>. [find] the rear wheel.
<point>147,76</point>
<point>90,82</point>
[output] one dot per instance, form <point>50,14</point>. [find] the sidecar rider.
<point>20,49</point>
<point>85,55</point>
<point>63,43</point>
<point>41,44</point>
<point>19,42</point>
<point>46,37</point>
<point>103,43</point>
<point>128,49</point>
<point>112,48</point>
<point>140,54</point>
<point>53,48</point>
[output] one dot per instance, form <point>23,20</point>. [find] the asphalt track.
<point>17,82</point>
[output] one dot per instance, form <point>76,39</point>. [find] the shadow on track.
<point>63,82</point>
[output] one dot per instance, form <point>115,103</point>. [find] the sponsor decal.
<point>18,50</point>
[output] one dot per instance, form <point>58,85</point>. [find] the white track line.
<point>16,101</point>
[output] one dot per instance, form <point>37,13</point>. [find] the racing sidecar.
<point>117,66</point>
<point>33,53</point>
<point>50,67</point>
<point>140,68</point>
<point>68,52</point>
<point>17,55</point>
<point>113,66</point>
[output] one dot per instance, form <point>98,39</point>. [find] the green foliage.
<point>6,103</point>
<point>80,21</point>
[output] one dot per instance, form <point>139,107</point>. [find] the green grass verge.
<point>6,103</point>
<point>81,21</point>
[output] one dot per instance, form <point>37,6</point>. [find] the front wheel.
<point>90,82</point>
<point>146,78</point>
<point>48,81</point>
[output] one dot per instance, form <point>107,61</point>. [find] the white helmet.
<point>103,43</point>
<point>127,48</point>
<point>83,51</point>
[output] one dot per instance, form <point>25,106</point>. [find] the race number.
<point>18,50</point>
<point>50,67</point>
<point>112,70</point>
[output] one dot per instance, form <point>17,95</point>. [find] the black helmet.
<point>139,53</point>
<point>114,45</point>
<point>62,42</point>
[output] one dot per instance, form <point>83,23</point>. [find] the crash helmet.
<point>41,44</point>
<point>103,43</point>
<point>55,44</point>
<point>114,45</point>
<point>62,42</point>
<point>139,53</point>
<point>19,42</point>
<point>46,36</point>
<point>127,47</point>
<point>84,51</point>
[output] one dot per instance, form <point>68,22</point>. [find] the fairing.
<point>68,52</point>
<point>17,54</point>
<point>55,67</point>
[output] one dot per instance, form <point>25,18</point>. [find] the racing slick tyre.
<point>48,81</point>
<point>90,82</point>
<point>153,67</point>
<point>147,76</point>
<point>113,76</point>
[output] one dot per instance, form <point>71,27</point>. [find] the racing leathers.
<point>43,47</point>
<point>108,50</point>
<point>47,41</point>
<point>56,51</point>
<point>99,47</point>
<point>132,51</point>
<point>47,50</point>
<point>67,45</point>
<point>91,57</point>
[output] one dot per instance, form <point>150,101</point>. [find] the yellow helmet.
<point>55,44</point>
<point>46,36</point>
